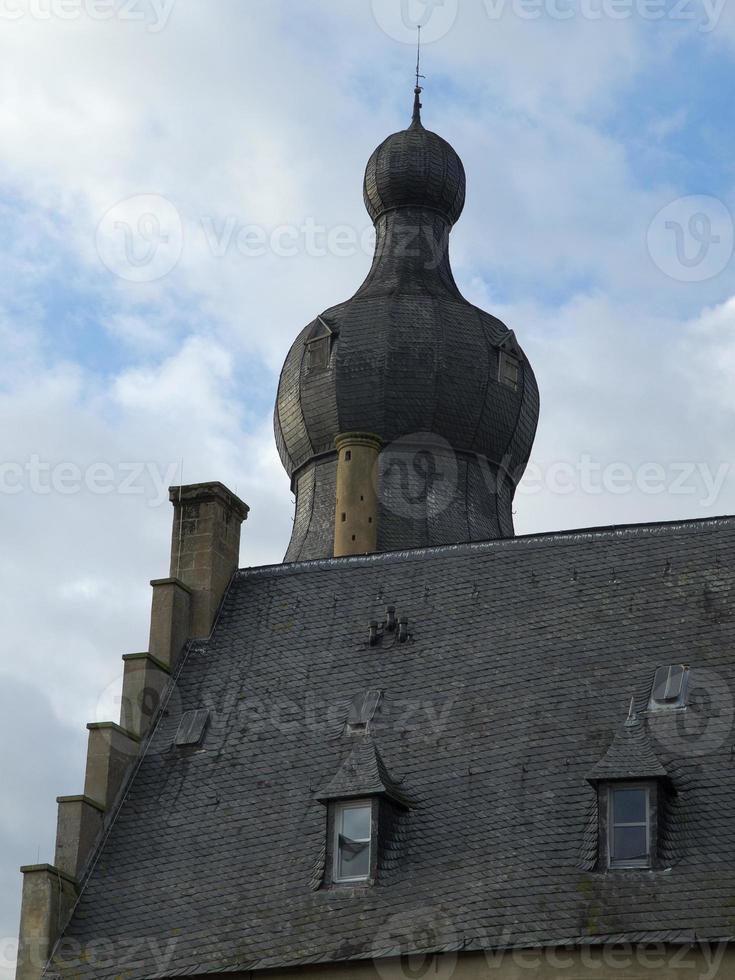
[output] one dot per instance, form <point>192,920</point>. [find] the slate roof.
<point>631,755</point>
<point>522,660</point>
<point>415,167</point>
<point>363,773</point>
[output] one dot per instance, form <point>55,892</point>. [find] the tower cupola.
<point>405,416</point>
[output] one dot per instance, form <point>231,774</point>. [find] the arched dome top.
<point>415,168</point>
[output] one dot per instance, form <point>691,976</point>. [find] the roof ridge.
<point>562,537</point>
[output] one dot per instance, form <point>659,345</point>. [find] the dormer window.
<point>629,826</point>
<point>353,842</point>
<point>360,798</point>
<point>509,370</point>
<point>633,791</point>
<point>319,347</point>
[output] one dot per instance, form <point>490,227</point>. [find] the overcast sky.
<point>597,137</point>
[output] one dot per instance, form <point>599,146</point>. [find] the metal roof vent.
<point>362,709</point>
<point>191,727</point>
<point>670,687</point>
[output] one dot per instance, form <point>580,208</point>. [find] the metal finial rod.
<point>418,58</point>
<point>417,91</point>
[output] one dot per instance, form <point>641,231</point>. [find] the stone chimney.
<point>205,546</point>
<point>205,550</point>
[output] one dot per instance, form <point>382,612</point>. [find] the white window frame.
<point>611,825</point>
<point>339,810</point>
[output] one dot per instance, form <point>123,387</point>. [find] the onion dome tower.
<point>405,416</point>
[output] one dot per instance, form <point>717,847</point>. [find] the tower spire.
<point>418,90</point>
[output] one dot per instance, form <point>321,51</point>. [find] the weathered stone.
<point>356,514</point>
<point>48,899</point>
<point>205,547</point>
<point>144,682</point>
<point>170,620</point>
<point>110,752</point>
<point>78,827</point>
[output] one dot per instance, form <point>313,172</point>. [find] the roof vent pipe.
<point>390,618</point>
<point>402,629</point>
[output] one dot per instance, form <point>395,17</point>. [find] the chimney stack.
<point>205,546</point>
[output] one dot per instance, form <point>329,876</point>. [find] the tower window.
<point>509,370</point>
<point>353,834</point>
<point>319,347</point>
<point>629,826</point>
<point>317,354</point>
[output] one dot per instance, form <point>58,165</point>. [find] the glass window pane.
<point>673,687</point>
<point>630,844</point>
<point>356,822</point>
<point>668,683</point>
<point>354,859</point>
<point>629,806</point>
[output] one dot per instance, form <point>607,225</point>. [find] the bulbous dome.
<point>444,385</point>
<point>415,167</point>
